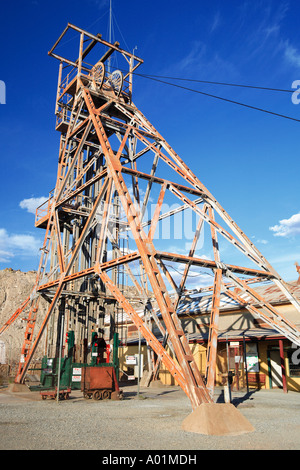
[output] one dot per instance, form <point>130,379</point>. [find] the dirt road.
<point>150,421</point>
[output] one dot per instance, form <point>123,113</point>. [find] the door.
<point>275,369</point>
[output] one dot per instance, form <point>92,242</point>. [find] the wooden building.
<point>256,355</point>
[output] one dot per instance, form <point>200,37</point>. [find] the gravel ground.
<point>149,422</point>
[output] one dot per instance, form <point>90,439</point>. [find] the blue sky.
<point>249,160</point>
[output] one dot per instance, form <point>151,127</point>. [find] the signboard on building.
<point>76,375</point>
<point>252,358</point>
<point>76,378</point>
<point>131,360</point>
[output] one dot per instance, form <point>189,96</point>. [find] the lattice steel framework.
<point>113,165</point>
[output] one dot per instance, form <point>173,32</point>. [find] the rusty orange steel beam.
<point>197,391</point>
<point>181,172</point>
<point>15,315</point>
<point>81,188</point>
<point>171,365</point>
<point>31,321</point>
<point>23,367</point>
<point>103,231</point>
<point>61,283</point>
<point>74,160</point>
<point>156,179</point>
<point>290,332</point>
<point>58,243</point>
<point>274,317</point>
<point>121,260</point>
<point>110,121</point>
<point>179,290</point>
<point>205,263</point>
<point>211,353</point>
<point>190,256</point>
<point>213,334</point>
<point>250,249</point>
<point>157,212</point>
<point>70,277</point>
<point>90,172</point>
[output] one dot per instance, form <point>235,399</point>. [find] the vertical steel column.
<point>213,334</point>
<point>282,364</point>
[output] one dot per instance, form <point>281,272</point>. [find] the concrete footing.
<point>220,419</point>
<point>157,383</point>
<point>15,388</point>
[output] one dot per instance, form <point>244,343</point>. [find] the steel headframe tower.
<point>112,165</point>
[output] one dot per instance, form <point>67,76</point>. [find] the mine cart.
<point>52,394</point>
<point>100,382</point>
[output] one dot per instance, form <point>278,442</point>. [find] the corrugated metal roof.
<point>230,335</point>
<point>272,293</point>
<point>202,302</point>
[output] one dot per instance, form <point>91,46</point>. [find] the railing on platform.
<point>44,208</point>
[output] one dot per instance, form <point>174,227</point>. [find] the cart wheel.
<point>44,397</point>
<point>97,395</point>
<point>105,394</point>
<point>86,395</point>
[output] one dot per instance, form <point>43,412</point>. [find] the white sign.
<point>77,370</point>
<point>131,360</point>
<point>76,378</point>
<point>252,357</point>
<point>252,363</point>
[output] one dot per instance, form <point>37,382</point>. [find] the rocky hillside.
<point>15,286</point>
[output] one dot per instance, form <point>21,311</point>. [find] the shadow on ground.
<point>237,401</point>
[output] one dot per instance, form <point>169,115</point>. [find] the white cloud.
<point>263,242</point>
<point>12,245</point>
<point>289,258</point>
<point>32,203</point>
<point>194,57</point>
<point>287,227</point>
<point>260,240</point>
<point>100,4</point>
<point>216,22</point>
<point>291,54</point>
<point>5,256</point>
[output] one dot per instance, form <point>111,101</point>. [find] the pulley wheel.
<point>97,74</point>
<point>116,81</point>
